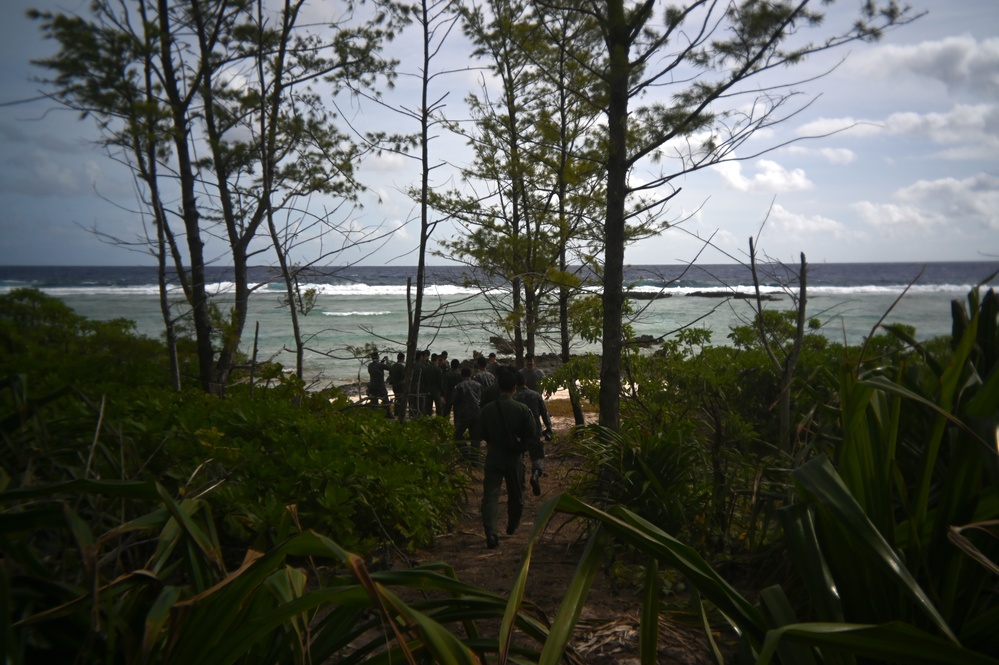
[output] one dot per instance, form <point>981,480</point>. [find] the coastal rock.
<point>648,295</point>
<point>645,341</point>
<point>501,344</point>
<point>726,294</point>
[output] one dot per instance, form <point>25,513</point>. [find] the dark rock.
<point>726,294</point>
<point>645,341</point>
<point>648,295</point>
<point>501,344</point>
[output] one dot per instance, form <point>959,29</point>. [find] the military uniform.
<point>376,381</point>
<point>433,381</point>
<point>485,378</point>
<point>397,376</point>
<point>464,402</point>
<point>503,421</point>
<point>539,410</point>
<point>532,377</point>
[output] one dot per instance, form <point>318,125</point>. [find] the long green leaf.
<point>810,561</point>
<point>649,628</point>
<point>575,597</point>
<point>652,541</point>
<point>124,489</point>
<point>513,604</point>
<point>776,605</point>
<point>890,642</point>
<point>157,617</point>
<point>818,482</point>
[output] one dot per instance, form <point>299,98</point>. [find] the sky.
<point>910,171</point>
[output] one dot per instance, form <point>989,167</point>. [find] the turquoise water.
<point>340,323</point>
<point>368,306</point>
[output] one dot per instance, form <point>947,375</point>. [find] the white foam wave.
<point>444,291</point>
<point>365,290</point>
<point>864,289</point>
<point>355,313</point>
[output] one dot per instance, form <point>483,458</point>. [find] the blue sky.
<point>912,176</point>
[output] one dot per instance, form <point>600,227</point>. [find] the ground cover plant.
<point>887,506</point>
<point>125,522</point>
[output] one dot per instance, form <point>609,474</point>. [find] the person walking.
<point>532,375</point>
<point>397,375</point>
<point>376,379</point>
<point>508,427</point>
<point>452,377</point>
<point>543,428</point>
<point>433,379</point>
<point>482,373</point>
<point>464,403</point>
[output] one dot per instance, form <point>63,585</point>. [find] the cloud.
<point>399,230</point>
<point>838,156</point>
<point>786,222</point>
<point>961,63</point>
<point>771,177</point>
<point>40,173</point>
<point>898,220</point>
<point>978,124</point>
<point>927,204</point>
<point>972,129</point>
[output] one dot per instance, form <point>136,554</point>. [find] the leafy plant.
<point>892,545</point>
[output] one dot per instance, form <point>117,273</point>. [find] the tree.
<point>229,152</point>
<point>436,19</point>
<point>532,183</point>
<point>710,58</point>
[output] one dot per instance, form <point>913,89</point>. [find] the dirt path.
<point>608,630</point>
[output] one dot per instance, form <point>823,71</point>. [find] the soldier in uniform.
<point>376,379</point>
<point>539,410</point>
<point>508,427</point>
<point>532,375</point>
<point>464,403</point>
<point>397,375</point>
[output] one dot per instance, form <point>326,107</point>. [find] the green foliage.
<point>654,474</point>
<point>124,524</point>
<point>155,589</point>
<point>351,473</point>
<point>42,334</point>
<point>893,547</point>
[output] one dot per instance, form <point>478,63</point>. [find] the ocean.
<point>358,306</point>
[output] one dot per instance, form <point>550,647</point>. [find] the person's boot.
<point>492,541</point>
<point>536,481</point>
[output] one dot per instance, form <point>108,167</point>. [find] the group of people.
<point>490,402</point>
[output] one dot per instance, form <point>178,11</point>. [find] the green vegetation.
<point>131,512</point>
<point>137,523</point>
<point>879,524</point>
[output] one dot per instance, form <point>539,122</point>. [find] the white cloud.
<point>784,221</point>
<point>832,155</point>
<point>771,177</point>
<point>847,126</point>
<point>898,220</point>
<point>978,124</point>
<point>388,161</point>
<point>926,204</point>
<point>972,200</point>
<point>961,63</point>
<point>399,230</point>
<point>972,129</point>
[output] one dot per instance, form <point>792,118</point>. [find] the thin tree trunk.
<point>197,294</point>
<point>619,74</point>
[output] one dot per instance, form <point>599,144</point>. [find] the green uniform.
<point>539,410</point>
<point>397,375</point>
<point>501,422</point>
<point>433,382</point>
